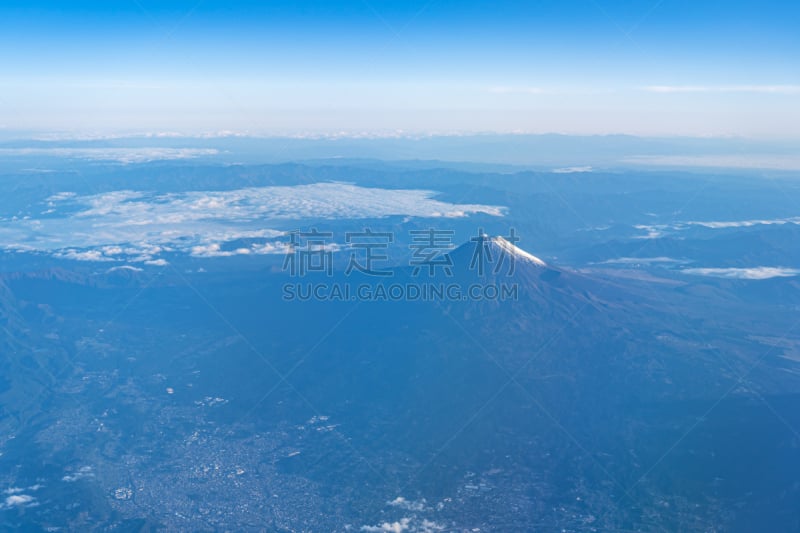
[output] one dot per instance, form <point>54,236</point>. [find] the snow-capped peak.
<point>517,252</point>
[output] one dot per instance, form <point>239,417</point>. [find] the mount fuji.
<point>549,406</point>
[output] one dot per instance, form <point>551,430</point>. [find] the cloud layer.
<point>658,230</point>
<point>139,226</point>
<point>759,89</point>
<point>120,155</point>
<point>753,273</point>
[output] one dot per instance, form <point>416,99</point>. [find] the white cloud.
<point>319,201</point>
<point>657,230</point>
<point>402,503</point>
<point>129,268</point>
<point>215,250</point>
<point>61,196</point>
<point>387,527</point>
<point>754,273</point>
<point>18,490</point>
<point>412,525</point>
<point>641,260</point>
<point>754,161</point>
<point>745,223</point>
<point>18,500</point>
<point>429,526</point>
<point>768,89</point>
<point>653,232</point>
<point>120,155</point>
<point>571,170</point>
<point>82,255</point>
<point>82,472</point>
<point>136,226</point>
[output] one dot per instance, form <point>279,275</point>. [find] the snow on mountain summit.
<point>515,251</point>
<point>497,254</point>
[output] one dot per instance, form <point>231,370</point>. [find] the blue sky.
<point>669,67</point>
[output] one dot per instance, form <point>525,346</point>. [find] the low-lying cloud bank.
<point>761,272</point>
<point>119,155</point>
<point>140,226</point>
